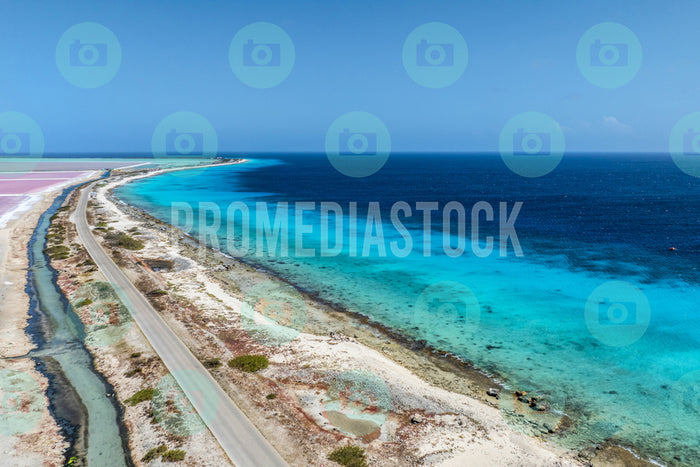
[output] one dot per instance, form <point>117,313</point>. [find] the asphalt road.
<point>238,437</point>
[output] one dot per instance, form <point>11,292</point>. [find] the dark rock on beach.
<point>419,345</point>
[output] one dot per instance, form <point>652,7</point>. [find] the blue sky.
<point>522,57</point>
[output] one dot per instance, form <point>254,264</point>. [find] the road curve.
<point>238,437</point>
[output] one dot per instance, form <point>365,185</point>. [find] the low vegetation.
<point>174,455</point>
<point>157,293</point>
<point>141,396</point>
<point>133,372</point>
<point>83,302</point>
<point>129,242</point>
<point>155,453</point>
<point>349,456</point>
<point>58,252</point>
<point>249,363</point>
<point>123,240</point>
<point>272,396</point>
<point>212,363</point>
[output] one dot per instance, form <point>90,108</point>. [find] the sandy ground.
<point>36,441</point>
<point>418,423</point>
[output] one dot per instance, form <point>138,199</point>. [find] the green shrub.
<point>57,249</point>
<point>133,372</point>
<point>349,456</point>
<point>249,363</point>
<point>55,237</point>
<point>155,453</point>
<point>129,242</point>
<point>272,396</point>
<point>58,252</point>
<point>84,302</point>
<point>174,455</point>
<point>213,363</point>
<point>135,355</point>
<point>142,395</point>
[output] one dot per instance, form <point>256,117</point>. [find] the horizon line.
<point>227,154</point>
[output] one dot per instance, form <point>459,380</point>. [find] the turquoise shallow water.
<point>596,220</point>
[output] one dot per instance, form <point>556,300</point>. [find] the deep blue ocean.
<point>596,221</point>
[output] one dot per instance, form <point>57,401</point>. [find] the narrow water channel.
<point>81,400</point>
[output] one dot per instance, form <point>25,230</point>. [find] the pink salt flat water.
<point>63,175</point>
<point>14,189</point>
<point>9,202</point>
